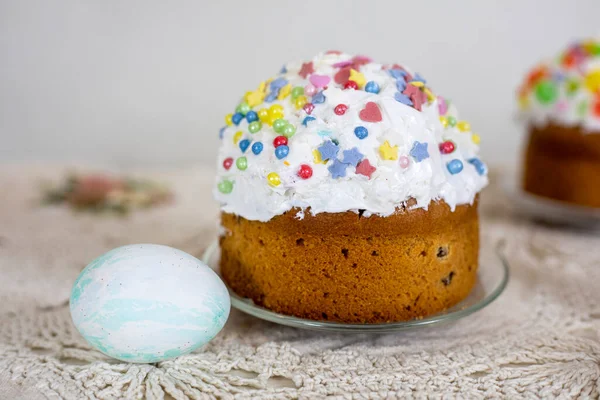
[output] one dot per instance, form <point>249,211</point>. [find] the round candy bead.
<point>237,118</point>
<point>351,85</point>
<point>227,162</point>
<point>403,161</point>
<point>255,126</point>
<point>300,102</point>
<point>257,148</point>
<point>289,130</point>
<point>361,132</point>
<point>475,138</point>
<point>228,119</point>
<point>251,116</point>
<point>280,141</point>
<point>308,108</point>
<point>297,91</point>
<point>463,126</point>
<point>454,166</point>
<point>244,145</point>
<point>275,112</point>
<point>546,92</point>
<point>310,90</point>
<point>241,163</point>
<point>340,109</point>
<point>446,147</point>
<point>305,171</point>
<point>372,87</point>
<point>273,179</point>
<point>243,108</point>
<point>282,151</point>
<point>263,114</point>
<point>444,121</point>
<point>279,124</point>
<point>451,120</point>
<point>225,186</point>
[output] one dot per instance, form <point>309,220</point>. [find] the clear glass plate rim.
<point>248,307</point>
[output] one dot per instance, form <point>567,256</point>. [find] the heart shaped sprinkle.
<point>371,113</point>
<point>319,81</point>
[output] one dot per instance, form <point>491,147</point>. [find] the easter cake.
<point>560,103</point>
<point>349,193</point>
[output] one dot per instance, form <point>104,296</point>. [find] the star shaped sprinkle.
<point>358,78</point>
<point>306,120</point>
<point>388,152</point>
<point>328,150</point>
<point>278,83</point>
<point>352,156</point>
<point>397,73</point>
<point>402,98</point>
<point>337,169</point>
<point>365,168</point>
<point>416,96</point>
<point>306,70</point>
<point>255,98</point>
<point>419,151</point>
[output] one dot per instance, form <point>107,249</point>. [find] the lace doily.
<point>541,338</point>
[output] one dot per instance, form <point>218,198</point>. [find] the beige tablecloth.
<point>541,338</point>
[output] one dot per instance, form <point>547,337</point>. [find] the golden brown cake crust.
<point>563,163</point>
<point>349,268</point>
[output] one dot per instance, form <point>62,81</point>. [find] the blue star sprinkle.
<point>328,150</point>
<point>278,84</point>
<point>337,169</point>
<point>479,165</point>
<point>419,78</point>
<point>318,98</point>
<point>397,73</point>
<point>352,156</point>
<point>402,98</point>
<point>307,120</point>
<point>419,151</point>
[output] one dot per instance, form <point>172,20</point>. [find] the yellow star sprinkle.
<point>255,98</point>
<point>317,157</point>
<point>237,137</point>
<point>358,78</point>
<point>284,92</point>
<point>463,126</point>
<point>476,138</point>
<point>388,152</point>
<point>592,81</point>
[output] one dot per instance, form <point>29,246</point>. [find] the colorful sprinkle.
<point>442,105</point>
<point>306,120</point>
<point>222,132</point>
<point>371,113</point>
<point>444,121</point>
<point>280,141</point>
<point>241,163</point>
<point>225,186</point>
<point>251,116</point>
<point>257,148</point>
<point>273,179</point>
<point>244,144</point>
<point>546,92</point>
<point>340,109</point>
<point>402,98</point>
<point>289,130</point>
<point>237,118</point>
<point>357,77</point>
<point>400,85</point>
<point>305,171</point>
<point>238,135</point>
<point>227,163</point>
<point>419,151</point>
<point>475,138</point>
<point>447,147</point>
<point>297,92</point>
<point>319,81</point>
<point>388,152</point>
<point>282,151</point>
<point>319,98</point>
<point>243,108</point>
<point>451,120</point>
<point>300,102</point>
<point>372,87</point>
<point>455,166</point>
<point>255,126</point>
<point>463,126</point>
<point>263,115</point>
<point>229,119</point>
<point>308,108</point>
<point>337,169</point>
<point>479,165</point>
<point>279,125</point>
<point>361,132</point>
<point>352,156</point>
<point>306,69</point>
<point>404,162</point>
<point>328,150</point>
<point>317,157</point>
<point>365,168</point>
<point>310,90</point>
<point>350,85</point>
<point>278,83</point>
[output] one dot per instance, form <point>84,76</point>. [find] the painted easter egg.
<point>146,303</point>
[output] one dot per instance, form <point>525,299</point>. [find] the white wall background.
<point>149,82</point>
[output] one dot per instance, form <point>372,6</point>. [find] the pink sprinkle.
<point>403,161</point>
<point>342,64</point>
<point>562,106</point>
<point>319,81</point>
<point>442,105</point>
<point>362,59</point>
<point>310,90</point>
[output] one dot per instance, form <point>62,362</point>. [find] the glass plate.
<point>550,211</point>
<point>492,277</point>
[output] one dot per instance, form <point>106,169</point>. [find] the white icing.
<point>390,185</point>
<point>569,109</point>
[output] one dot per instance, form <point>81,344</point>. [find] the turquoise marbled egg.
<point>146,303</point>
